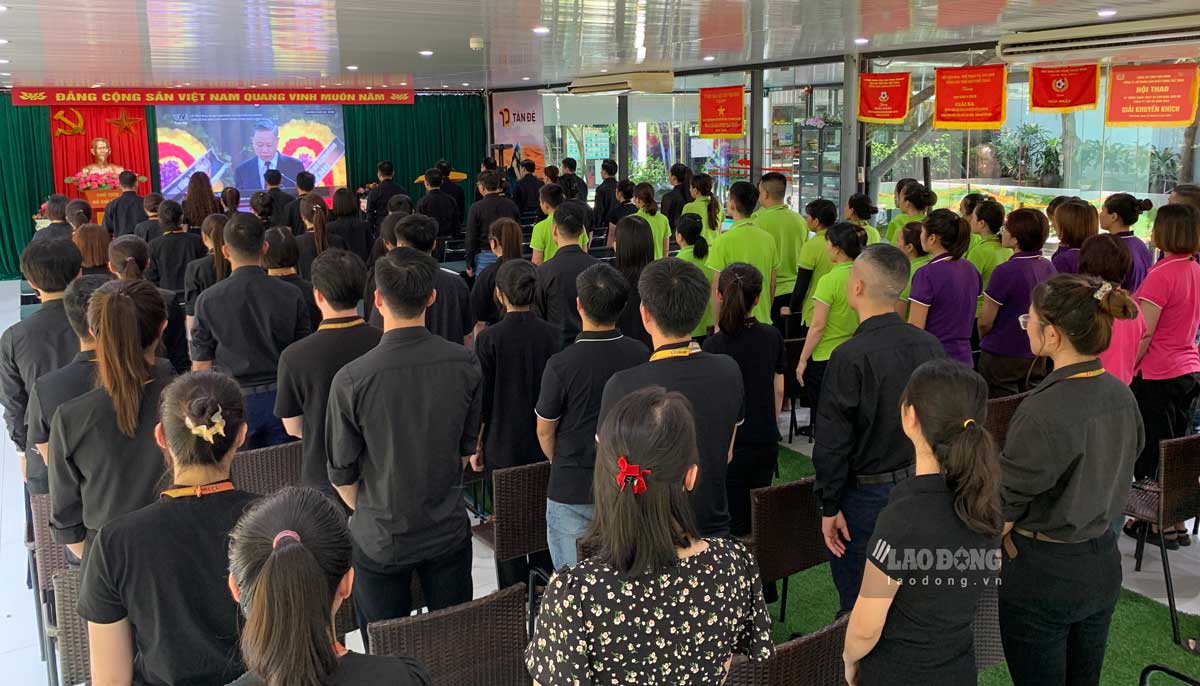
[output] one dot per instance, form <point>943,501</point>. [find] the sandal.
<point>1182,537</point>
<point>1133,529</point>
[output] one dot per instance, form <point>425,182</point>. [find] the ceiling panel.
<point>306,43</point>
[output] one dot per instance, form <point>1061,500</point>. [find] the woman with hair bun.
<point>859,210</point>
<point>1075,221</point>
<point>914,202</point>
<point>1120,212</point>
<point>1106,256</point>
<point>945,291</point>
<point>153,589</point>
<point>1065,474</point>
<point>289,571</point>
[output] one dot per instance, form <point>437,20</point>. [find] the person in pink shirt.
<point>1108,257</point>
<point>1167,381</point>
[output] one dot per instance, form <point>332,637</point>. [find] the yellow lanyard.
<point>199,491</point>
<point>341,325</point>
<point>673,352</point>
<point>1086,375</point>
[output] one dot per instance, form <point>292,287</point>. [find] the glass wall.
<point>802,130</point>
<point>583,127</point>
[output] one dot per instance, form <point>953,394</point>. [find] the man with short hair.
<point>569,177</point>
<point>307,367</point>
<point>151,228</point>
<point>442,208</point>
<point>526,192</point>
<point>125,211</point>
<point>550,198</point>
<point>606,194</point>
<point>491,206</point>
<point>790,232</point>
<point>861,451</point>
<point>305,183</point>
<point>248,176</point>
<point>745,242</point>
<point>379,196</point>
<point>554,299</point>
<point>450,188</point>
<point>243,324</point>
<point>56,212</point>
<point>280,199</point>
<point>568,405</point>
<point>402,420</point>
<point>489,164</point>
<point>674,297</point>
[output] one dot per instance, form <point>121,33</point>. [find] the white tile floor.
<point>18,630</point>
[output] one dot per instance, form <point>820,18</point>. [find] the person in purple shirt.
<point>1005,361</point>
<point>944,292</point>
<point>1075,221</point>
<point>1121,211</point>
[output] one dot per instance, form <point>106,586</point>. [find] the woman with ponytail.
<point>206,271</point>
<point>913,201</point>
<point>676,606</point>
<point>945,291</point>
<point>859,210</point>
<point>634,249</point>
<point>660,226</point>
<point>289,571</point>
<point>230,199</point>
<point>680,178</point>
<point>154,583</point>
<point>317,238</point>
<point>504,241</point>
<point>693,248</point>
<point>1118,215</point>
<point>79,212</point>
<point>914,624</point>
<point>128,258</point>
<point>759,352</point>
<point>103,459</point>
<point>910,245</point>
<point>706,206</point>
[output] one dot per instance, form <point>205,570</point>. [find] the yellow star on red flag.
<point>124,123</point>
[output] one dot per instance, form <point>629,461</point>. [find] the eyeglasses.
<point>1024,321</point>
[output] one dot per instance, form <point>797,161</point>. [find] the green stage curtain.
<point>26,177</point>
<point>414,137</point>
<point>152,143</point>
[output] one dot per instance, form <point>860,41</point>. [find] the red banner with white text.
<point>103,97</point>
<point>883,98</point>
<point>1152,95</point>
<point>1062,89</point>
<point>970,97</point>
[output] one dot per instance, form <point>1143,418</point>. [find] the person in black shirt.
<point>289,562</point>
<point>231,199</point>
<point>913,623</point>
<point>149,229</point>
<point>860,452</point>
<point>307,367</point>
<point>56,212</point>
<point>379,196</point>
<point>674,296</point>
<point>575,195</point>
<point>402,421</point>
<point>280,262</point>
<point>154,588</point>
<point>631,255</point>
<point>171,252</point>
<point>43,341</point>
<point>206,271</point>
<point>87,487</point>
<point>758,350</point>
<point>442,208</point>
<point>92,241</point>
<point>128,259</point>
<point>606,194</point>
<point>1065,475</point>
<point>623,207</point>
<point>126,211</point>
<point>575,186</point>
<point>526,192</point>
<point>489,208</point>
<point>63,384</point>
<point>79,212</point>
<point>504,239</point>
<point>568,406</point>
<point>680,194</point>
<point>450,188</point>
<point>555,297</point>
<point>354,232</point>
<point>305,183</point>
<point>316,238</point>
<point>244,322</point>
<point>280,199</point>
<point>263,206</point>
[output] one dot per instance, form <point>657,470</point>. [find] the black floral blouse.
<point>677,627</point>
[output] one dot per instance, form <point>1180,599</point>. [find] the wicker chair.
<point>266,470</point>
<point>1000,412</point>
<point>785,533</point>
<point>519,518</point>
<point>492,627</point>
<point>989,650</point>
<point>50,560</point>
<point>812,660</point>
<point>1175,497</point>
<point>71,632</point>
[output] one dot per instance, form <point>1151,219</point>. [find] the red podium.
<point>98,199</point>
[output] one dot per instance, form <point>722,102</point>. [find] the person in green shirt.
<point>660,226</point>
<point>988,253</point>
<point>706,206</point>
<point>693,247</point>
<point>914,202</point>
<point>814,260</point>
<point>790,232</point>
<point>745,242</point>
<point>834,321</point>
<point>542,241</point>
<point>859,210</point>
<point>910,244</point>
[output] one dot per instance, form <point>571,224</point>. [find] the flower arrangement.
<point>97,182</point>
<point>364,190</point>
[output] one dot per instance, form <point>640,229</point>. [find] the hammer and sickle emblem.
<point>505,117</point>
<point>73,127</point>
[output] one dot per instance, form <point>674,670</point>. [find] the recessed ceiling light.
<point>862,41</point>
<point>187,83</point>
<point>352,67</point>
<point>5,73</point>
<point>404,83</point>
<point>322,86</point>
<point>338,83</point>
<point>525,78</point>
<point>1106,13</point>
<point>97,85</point>
<point>251,85</point>
<point>426,53</point>
<point>369,87</point>
<point>541,30</point>
<point>3,61</point>
<point>3,41</point>
<point>445,86</point>
<point>465,83</point>
<point>383,85</point>
<point>603,71</point>
<point>3,8</point>
<point>709,58</point>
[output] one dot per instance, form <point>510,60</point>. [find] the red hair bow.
<point>631,471</point>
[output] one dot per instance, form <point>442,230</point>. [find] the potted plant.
<point>1164,169</point>
<point>1050,164</point>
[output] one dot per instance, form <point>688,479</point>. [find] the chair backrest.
<point>50,555</point>
<point>1179,475</point>
<point>519,509</point>
<point>264,471</point>
<point>71,632</point>
<point>812,660</point>
<point>1000,412</point>
<point>989,650</point>
<point>785,529</point>
<point>480,642</point>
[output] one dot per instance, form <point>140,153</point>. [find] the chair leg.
<point>1162,548</point>
<point>783,600</point>
<point>37,607</point>
<point>792,423</point>
<point>1196,526</point>
<point>51,660</point>
<point>1141,545</point>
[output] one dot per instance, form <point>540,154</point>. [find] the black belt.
<point>255,390</point>
<point>893,477</point>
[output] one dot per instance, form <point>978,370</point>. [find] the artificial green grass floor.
<point>1140,633</point>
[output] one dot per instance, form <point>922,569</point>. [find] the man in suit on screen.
<point>248,177</point>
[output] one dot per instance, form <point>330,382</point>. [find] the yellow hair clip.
<point>968,422</point>
<point>210,431</point>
